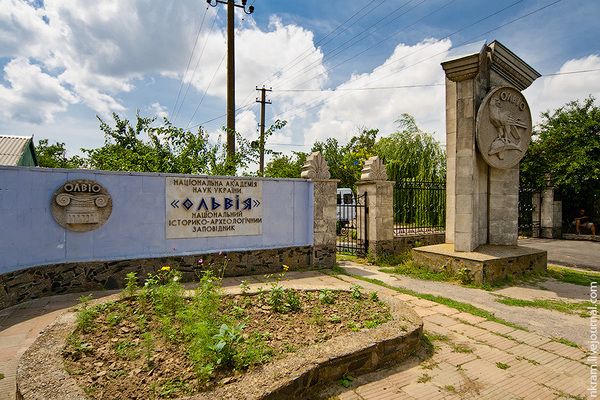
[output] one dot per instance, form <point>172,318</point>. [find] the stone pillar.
<point>380,206</point>
<point>324,210</point>
<point>488,127</point>
<point>488,130</point>
<point>466,176</point>
<point>550,214</point>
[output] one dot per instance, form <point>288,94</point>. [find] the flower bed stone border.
<point>41,374</point>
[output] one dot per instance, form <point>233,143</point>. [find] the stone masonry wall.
<point>47,280</point>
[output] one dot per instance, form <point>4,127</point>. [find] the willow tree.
<point>410,153</point>
<point>417,162</point>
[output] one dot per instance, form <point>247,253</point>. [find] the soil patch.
<point>123,359</point>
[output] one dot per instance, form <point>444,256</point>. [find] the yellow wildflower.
<point>285,267</point>
<point>165,268</point>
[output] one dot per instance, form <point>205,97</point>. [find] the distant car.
<point>346,206</point>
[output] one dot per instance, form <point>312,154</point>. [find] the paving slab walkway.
<point>473,358</point>
<point>543,321</point>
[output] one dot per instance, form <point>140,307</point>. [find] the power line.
<point>423,60</point>
<point>311,50</point>
<point>381,41</point>
<point>210,83</point>
<point>571,72</point>
<point>189,61</point>
<point>332,54</point>
<point>320,99</point>
<point>196,67</point>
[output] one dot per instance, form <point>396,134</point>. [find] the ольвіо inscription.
<point>198,207</point>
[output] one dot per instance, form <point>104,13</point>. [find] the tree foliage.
<point>55,156</point>
<point>144,147</point>
<point>282,166</point>
<point>166,149</point>
<point>410,153</point>
<point>346,162</point>
<point>566,148</point>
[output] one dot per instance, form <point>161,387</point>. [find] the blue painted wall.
<point>30,236</point>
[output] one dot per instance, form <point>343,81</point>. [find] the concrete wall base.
<point>572,236</point>
<point>486,264</point>
<point>404,244</point>
<point>49,280</point>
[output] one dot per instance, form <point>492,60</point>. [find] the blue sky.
<point>334,66</point>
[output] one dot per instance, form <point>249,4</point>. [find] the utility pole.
<point>262,102</point>
<point>231,71</point>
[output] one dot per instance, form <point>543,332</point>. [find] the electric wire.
<point>212,79</point>
<point>197,64</point>
<point>321,101</point>
<point>311,50</point>
<point>378,43</point>
<point>189,61</point>
<point>333,52</point>
<point>329,92</point>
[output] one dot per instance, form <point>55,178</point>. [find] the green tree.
<point>282,166</point>
<point>566,148</point>
<point>346,162</point>
<point>55,156</point>
<point>410,153</point>
<point>168,149</point>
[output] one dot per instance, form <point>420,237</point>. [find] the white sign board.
<point>207,207</point>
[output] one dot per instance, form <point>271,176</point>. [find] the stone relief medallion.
<point>81,205</point>
<point>503,127</point>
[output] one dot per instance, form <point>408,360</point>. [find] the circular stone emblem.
<point>503,127</point>
<point>81,205</point>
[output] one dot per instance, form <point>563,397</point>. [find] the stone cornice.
<point>512,68</point>
<point>466,63</point>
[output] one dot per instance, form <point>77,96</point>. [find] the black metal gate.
<point>351,224</point>
<point>527,208</point>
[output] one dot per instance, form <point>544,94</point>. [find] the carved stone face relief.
<point>81,205</point>
<point>503,127</point>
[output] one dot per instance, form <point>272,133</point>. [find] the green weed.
<point>345,380</point>
<point>228,338</point>
<point>327,296</point>
<point>356,294</point>
<point>582,278</point>
<point>131,285</point>
<point>561,306</point>
<point>502,366</point>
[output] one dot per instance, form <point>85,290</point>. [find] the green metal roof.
<point>17,151</point>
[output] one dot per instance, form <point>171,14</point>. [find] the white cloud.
<point>95,49</point>
<point>347,111</point>
<point>32,95</point>
<point>158,110</point>
<point>552,92</point>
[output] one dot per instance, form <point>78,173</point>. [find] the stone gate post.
<point>488,130</point>
<point>324,210</point>
<point>380,206</point>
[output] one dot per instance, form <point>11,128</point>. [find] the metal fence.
<point>352,224</point>
<point>419,207</point>
<point>527,223</point>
